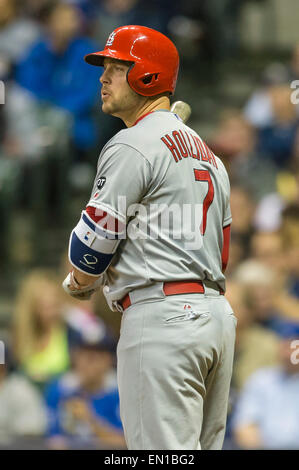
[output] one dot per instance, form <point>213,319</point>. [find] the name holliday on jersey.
<point>184,144</point>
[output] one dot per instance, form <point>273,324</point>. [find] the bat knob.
<point>182,109</point>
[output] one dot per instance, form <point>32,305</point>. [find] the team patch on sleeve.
<point>100,182</point>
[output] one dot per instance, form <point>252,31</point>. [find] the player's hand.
<point>81,292</point>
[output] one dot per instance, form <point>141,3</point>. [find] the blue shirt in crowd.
<point>65,80</point>
<point>278,143</point>
<point>104,404</point>
<point>270,400</point>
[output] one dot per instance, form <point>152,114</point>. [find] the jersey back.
<point>162,182</point>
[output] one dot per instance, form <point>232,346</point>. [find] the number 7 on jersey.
<point>204,176</point>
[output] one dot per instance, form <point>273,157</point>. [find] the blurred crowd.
<point>58,384</point>
<point>259,146</point>
<point>52,95</point>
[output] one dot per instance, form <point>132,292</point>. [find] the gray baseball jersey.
<point>161,181</point>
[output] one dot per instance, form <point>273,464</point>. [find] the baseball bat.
<point>182,109</point>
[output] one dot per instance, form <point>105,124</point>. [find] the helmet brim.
<point>97,58</point>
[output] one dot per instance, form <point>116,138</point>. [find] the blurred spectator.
<point>268,215</point>
<point>259,108</point>
<point>281,254</point>
<point>267,297</point>
<point>88,9</point>
<point>267,414</point>
<point>288,181</point>
<point>17,33</point>
<point>83,404</point>
<point>234,135</point>
<point>115,13</point>
<point>55,73</point>
<point>237,252</point>
<point>187,33</point>
<point>43,334</point>
<point>22,411</point>
<point>290,236</point>
<point>217,23</point>
<point>242,208</point>
<point>48,128</point>
<point>278,139</point>
<point>251,337</point>
<point>294,65</point>
<point>267,248</point>
<point>35,8</point>
<point>236,142</point>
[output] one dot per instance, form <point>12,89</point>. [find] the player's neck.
<point>160,103</point>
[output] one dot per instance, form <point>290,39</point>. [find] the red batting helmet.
<point>154,57</point>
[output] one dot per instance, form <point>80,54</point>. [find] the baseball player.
<point>155,234</point>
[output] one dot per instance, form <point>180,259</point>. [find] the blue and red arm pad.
<point>92,245</point>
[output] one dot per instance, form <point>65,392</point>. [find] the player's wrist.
<point>78,283</point>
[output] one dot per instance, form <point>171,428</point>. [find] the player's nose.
<point>104,78</point>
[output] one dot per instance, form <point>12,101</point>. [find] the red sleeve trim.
<point>105,220</point>
<point>225,247</point>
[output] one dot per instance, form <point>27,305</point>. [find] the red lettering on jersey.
<point>172,147</point>
<point>211,156</point>
<point>196,146</point>
<point>192,154</point>
<point>183,147</point>
<point>180,144</point>
<point>204,155</point>
<point>201,149</point>
<point>204,175</point>
<point>185,143</point>
<point>208,152</point>
<point>214,159</point>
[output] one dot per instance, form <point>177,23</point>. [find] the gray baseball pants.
<point>175,358</point>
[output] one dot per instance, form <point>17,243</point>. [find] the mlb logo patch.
<point>187,306</point>
<point>87,235</point>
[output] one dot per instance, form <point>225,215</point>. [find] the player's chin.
<point>106,108</point>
